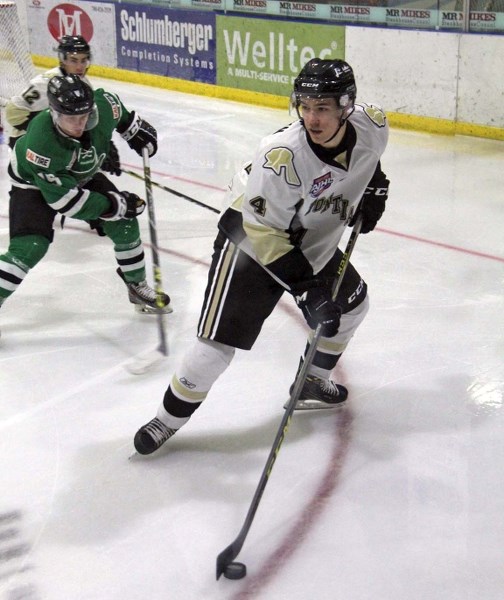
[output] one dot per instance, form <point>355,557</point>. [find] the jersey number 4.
<point>259,205</point>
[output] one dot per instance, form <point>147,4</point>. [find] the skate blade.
<point>143,309</point>
<point>312,404</point>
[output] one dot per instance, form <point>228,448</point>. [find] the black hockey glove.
<point>112,163</point>
<point>139,134</point>
<point>123,205</point>
<point>314,298</point>
<point>95,224</point>
<point>372,205</point>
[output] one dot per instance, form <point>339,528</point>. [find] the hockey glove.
<point>123,205</point>
<point>95,224</point>
<point>112,163</point>
<point>372,204</point>
<point>139,134</point>
<point>314,298</point>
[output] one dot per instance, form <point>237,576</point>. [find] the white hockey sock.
<point>169,420</point>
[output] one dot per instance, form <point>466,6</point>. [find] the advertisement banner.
<point>174,43</point>
<point>304,10</point>
<point>485,22</point>
<point>49,20</point>
<point>356,14</point>
<point>263,55</point>
<point>412,17</point>
<point>253,6</point>
<point>451,19</point>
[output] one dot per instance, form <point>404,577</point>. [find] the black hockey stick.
<point>225,559</point>
<point>143,363</point>
<point>172,191</point>
<point>158,282</point>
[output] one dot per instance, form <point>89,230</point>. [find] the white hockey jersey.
<point>30,101</point>
<point>292,196</point>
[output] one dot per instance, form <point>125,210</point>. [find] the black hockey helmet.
<point>70,95</point>
<point>326,78</point>
<point>73,44</point>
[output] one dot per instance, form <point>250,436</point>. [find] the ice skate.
<point>152,436</point>
<point>318,393</point>
<point>144,297</point>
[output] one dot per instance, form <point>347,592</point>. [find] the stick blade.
<point>143,363</point>
<point>225,557</point>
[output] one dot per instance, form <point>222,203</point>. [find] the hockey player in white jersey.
<point>290,207</point>
<point>74,55</point>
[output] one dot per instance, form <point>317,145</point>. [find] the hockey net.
<point>16,66</point>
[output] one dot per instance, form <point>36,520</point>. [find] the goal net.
<point>16,66</point>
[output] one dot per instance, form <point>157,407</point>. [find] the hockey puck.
<point>235,570</point>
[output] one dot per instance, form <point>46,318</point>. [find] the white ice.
<point>398,496</point>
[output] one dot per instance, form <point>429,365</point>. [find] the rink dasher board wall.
<point>442,82</point>
<point>446,82</point>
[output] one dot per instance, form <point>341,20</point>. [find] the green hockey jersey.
<point>59,166</point>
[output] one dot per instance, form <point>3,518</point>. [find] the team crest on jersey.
<point>116,110</point>
<point>37,159</point>
<point>281,162</point>
<point>86,161</point>
<point>375,113</point>
<point>320,184</point>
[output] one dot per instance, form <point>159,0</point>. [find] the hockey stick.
<point>225,564</point>
<point>144,363</point>
<point>171,191</point>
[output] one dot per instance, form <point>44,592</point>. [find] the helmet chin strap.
<point>341,124</point>
<point>336,132</point>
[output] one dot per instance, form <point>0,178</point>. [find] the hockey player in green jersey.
<point>74,55</point>
<point>55,168</point>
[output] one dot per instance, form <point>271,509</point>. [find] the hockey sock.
<point>27,250</point>
<point>200,368</point>
<point>131,261</point>
<point>329,350</point>
<point>23,254</point>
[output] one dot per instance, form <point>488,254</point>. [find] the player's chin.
<point>315,135</point>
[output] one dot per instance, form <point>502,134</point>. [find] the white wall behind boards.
<point>458,77</point>
<point>409,72</point>
<point>481,80</point>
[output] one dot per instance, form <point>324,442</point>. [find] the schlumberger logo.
<point>320,184</point>
<point>68,19</point>
<point>138,27</point>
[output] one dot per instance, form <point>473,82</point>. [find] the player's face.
<point>321,119</point>
<point>76,64</point>
<point>73,125</point>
